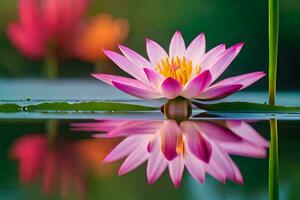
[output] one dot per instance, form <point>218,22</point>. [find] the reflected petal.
<point>225,163</point>
<point>136,127</point>
<point>156,162</point>
<point>216,132</point>
<point>198,145</point>
<point>134,159</point>
<point>99,126</point>
<point>169,134</point>
<point>195,167</point>
<point>248,133</point>
<point>176,168</point>
<point>244,148</point>
<point>127,146</point>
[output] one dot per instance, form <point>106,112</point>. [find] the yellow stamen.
<point>180,69</point>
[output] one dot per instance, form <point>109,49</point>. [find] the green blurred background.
<point>228,22</point>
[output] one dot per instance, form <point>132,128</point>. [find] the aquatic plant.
<point>187,72</point>
<point>273,54</point>
<point>273,48</point>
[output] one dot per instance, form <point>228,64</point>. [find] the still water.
<point>62,159</point>
<point>79,155</point>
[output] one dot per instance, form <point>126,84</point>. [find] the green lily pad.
<point>245,107</point>
<point>82,106</point>
<point>10,107</point>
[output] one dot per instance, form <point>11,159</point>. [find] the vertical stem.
<point>273,48</point>
<point>51,66</point>
<point>98,66</point>
<point>273,53</point>
<point>52,130</point>
<point>273,162</point>
<point>102,66</point>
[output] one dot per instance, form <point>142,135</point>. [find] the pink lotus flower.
<point>46,25</point>
<point>187,72</point>
<point>200,146</point>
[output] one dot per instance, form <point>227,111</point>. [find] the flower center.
<point>180,69</point>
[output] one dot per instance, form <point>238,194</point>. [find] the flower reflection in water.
<point>60,164</point>
<point>199,146</point>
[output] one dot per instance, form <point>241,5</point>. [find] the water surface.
<point>44,156</point>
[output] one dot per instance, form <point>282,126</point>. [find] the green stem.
<point>51,66</point>
<point>52,131</point>
<point>102,66</point>
<point>273,48</point>
<point>273,162</point>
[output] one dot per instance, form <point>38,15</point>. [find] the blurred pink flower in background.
<point>46,26</point>
<point>55,29</point>
<point>200,146</point>
<point>188,72</point>
<point>62,165</point>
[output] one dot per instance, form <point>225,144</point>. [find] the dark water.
<point>56,156</point>
<point>45,159</point>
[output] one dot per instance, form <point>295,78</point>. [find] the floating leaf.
<point>10,107</point>
<point>82,106</point>
<point>245,107</point>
